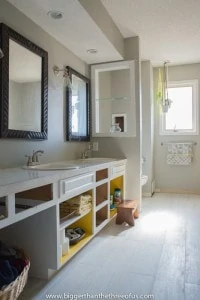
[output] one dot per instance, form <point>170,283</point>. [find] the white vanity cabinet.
<point>30,205</point>
<point>113,99</point>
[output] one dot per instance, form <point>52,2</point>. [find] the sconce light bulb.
<point>1,53</point>
<point>56,70</point>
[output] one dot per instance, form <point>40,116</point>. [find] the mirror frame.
<point>69,134</point>
<point>7,33</point>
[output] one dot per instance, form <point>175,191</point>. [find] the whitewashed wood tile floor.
<point>160,255</point>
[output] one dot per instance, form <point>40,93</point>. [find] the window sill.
<point>172,133</point>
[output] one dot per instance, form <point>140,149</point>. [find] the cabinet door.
<point>113,99</point>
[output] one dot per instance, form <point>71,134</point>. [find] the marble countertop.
<point>14,180</point>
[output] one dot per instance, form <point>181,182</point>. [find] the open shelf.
<point>75,208</point>
<point>75,248</point>
<point>117,183</point>
<point>85,222</point>
<point>66,222</point>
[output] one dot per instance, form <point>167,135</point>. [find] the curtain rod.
<point>166,143</point>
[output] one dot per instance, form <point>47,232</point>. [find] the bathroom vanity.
<point>30,202</point>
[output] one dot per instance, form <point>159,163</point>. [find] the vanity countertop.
<point>14,180</point>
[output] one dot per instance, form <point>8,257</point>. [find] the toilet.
<point>144,178</point>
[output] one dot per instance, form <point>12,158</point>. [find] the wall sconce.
<point>1,54</point>
<point>65,75</point>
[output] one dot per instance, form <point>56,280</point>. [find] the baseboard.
<point>178,191</point>
<point>146,194</point>
<point>153,186</point>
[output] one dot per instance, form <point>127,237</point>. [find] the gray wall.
<point>12,152</point>
<point>147,125</point>
<point>177,178</point>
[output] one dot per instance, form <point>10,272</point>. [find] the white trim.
<point>112,66</point>
<point>195,110</point>
<point>120,115</point>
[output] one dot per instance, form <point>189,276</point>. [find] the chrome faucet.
<point>35,155</point>
<point>85,154</point>
<point>33,159</point>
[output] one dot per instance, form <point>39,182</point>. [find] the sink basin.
<point>53,166</point>
<point>97,159</point>
<point>70,165</point>
<point>94,160</point>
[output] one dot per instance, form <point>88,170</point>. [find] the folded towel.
<point>179,154</point>
<point>82,199</point>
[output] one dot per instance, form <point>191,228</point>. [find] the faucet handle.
<point>35,155</point>
<point>83,155</point>
<point>29,160</point>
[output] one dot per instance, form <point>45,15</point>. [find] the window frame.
<point>195,110</point>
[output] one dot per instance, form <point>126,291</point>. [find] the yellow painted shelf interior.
<point>75,248</point>
<point>86,224</point>
<point>116,183</point>
<point>113,212</point>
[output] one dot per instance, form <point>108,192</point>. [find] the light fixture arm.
<point>57,71</point>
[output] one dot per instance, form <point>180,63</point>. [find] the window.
<point>182,116</point>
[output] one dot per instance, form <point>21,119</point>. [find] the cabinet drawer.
<point>78,182</point>
<point>117,170</point>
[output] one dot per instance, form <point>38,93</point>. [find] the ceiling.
<point>168,30</point>
<point>77,30</point>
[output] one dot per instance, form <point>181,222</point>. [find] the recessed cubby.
<point>101,193</point>
<point>33,197</point>
<point>101,175</point>
<point>101,215</point>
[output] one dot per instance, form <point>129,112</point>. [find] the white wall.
<point>177,178</point>
<point>12,151</point>
<point>104,105</point>
<point>147,125</point>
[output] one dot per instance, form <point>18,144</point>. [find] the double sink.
<point>70,164</point>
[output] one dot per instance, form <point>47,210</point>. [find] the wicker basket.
<point>14,289</point>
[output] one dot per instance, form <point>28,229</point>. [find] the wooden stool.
<point>126,211</point>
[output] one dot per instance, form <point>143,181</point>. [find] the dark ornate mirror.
<point>78,107</point>
<point>23,87</point>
